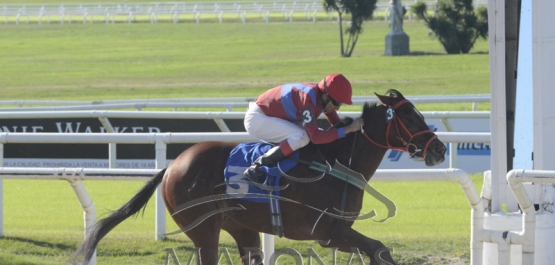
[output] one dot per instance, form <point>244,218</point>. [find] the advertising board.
<point>472,157</point>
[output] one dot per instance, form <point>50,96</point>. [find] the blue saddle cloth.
<point>242,157</point>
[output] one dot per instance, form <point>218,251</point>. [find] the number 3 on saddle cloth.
<point>237,184</point>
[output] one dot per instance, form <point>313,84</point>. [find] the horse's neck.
<point>366,157</point>
<point>356,152</point>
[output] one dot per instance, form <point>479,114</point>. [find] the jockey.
<point>286,115</point>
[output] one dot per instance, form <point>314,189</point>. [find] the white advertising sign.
<point>472,157</point>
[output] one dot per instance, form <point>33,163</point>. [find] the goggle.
<point>335,102</point>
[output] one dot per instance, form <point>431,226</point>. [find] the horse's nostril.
<point>441,149</point>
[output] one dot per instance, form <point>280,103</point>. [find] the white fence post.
<point>1,191</point>
<point>89,211</point>
<point>112,147</point>
<point>160,206</point>
<point>453,155</point>
<point>1,208</point>
<point>268,246</point>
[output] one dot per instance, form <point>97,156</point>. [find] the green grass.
<point>43,220</point>
<point>43,224</point>
<point>94,62</point>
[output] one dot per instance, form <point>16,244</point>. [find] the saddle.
<point>238,186</point>
<point>242,157</point>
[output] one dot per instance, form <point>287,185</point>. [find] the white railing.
<point>177,11</point>
<point>226,103</point>
<point>75,175</point>
<point>525,237</point>
<point>162,139</point>
<point>479,234</point>
<point>218,118</point>
<point>153,12</point>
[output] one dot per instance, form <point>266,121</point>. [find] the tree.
<point>360,11</point>
<point>455,24</point>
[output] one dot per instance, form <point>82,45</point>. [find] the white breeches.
<point>274,130</point>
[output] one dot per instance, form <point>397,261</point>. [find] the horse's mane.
<point>366,112</point>
<point>343,145</point>
<point>368,109</point>
<point>344,122</point>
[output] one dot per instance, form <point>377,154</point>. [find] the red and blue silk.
<point>300,104</point>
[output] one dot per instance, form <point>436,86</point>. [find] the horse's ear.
<point>386,100</point>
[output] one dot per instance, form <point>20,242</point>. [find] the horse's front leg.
<point>345,238</point>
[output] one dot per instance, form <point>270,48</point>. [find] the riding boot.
<point>271,157</point>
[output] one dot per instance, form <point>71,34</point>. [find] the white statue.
<point>396,16</point>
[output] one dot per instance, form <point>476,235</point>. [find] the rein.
<point>344,198</point>
<point>406,143</point>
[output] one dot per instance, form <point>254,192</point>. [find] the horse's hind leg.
<point>205,235</point>
<point>344,238</point>
<point>248,242</point>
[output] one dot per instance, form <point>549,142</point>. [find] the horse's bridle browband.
<point>406,144</point>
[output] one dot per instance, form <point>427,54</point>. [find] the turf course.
<point>43,220</point>
<point>93,62</point>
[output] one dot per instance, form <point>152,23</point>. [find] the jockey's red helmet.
<point>338,87</point>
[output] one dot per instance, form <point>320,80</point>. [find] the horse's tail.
<point>104,226</point>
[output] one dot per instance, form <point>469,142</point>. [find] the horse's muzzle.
<point>435,154</point>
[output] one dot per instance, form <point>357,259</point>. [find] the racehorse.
<point>195,179</point>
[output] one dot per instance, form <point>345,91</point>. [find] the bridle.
<point>406,143</point>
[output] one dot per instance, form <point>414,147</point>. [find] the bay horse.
<point>197,173</point>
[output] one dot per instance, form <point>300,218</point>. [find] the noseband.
<point>406,143</point>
